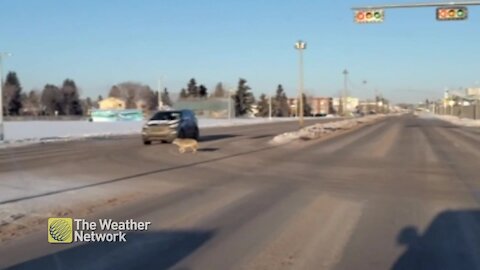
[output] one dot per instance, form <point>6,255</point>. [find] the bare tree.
<point>135,94</point>
<point>31,103</point>
<point>219,91</point>
<point>115,92</point>
<point>52,100</point>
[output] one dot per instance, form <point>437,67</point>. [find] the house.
<point>112,103</point>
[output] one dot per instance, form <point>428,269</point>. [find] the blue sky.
<point>409,57</point>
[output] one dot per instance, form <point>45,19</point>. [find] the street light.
<point>2,54</point>
<point>300,46</point>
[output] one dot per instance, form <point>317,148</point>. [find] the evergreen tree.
<point>183,94</point>
<point>166,98</point>
<point>202,91</point>
<point>243,98</point>
<point>71,100</point>
<point>263,106</point>
<point>219,91</point>
<point>192,88</point>
<point>285,106</point>
<point>280,104</point>
<point>12,93</point>
<point>307,109</point>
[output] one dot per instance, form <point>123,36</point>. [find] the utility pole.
<point>300,46</point>
<point>229,104</point>
<point>2,137</point>
<point>159,90</point>
<point>344,92</point>
<point>270,108</point>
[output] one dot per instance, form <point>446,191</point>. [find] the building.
<point>351,104</point>
<point>112,103</point>
<point>319,105</point>
<point>367,106</point>
<point>473,92</point>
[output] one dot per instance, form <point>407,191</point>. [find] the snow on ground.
<point>318,130</point>
<point>25,132</point>
<point>20,218</point>
<point>452,119</point>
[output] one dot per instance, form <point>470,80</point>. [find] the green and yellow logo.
<point>60,230</point>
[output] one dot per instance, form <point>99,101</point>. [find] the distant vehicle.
<point>166,126</point>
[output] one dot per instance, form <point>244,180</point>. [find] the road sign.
<point>452,13</point>
<point>369,16</point>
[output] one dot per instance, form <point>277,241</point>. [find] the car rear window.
<point>166,116</point>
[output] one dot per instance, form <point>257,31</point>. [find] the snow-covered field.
<point>319,130</point>
<point>452,119</point>
<point>24,132</point>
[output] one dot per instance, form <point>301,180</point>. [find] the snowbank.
<point>25,132</point>
<point>319,130</point>
<point>453,120</point>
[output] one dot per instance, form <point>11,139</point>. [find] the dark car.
<point>165,126</point>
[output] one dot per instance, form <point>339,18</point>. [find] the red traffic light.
<point>452,13</point>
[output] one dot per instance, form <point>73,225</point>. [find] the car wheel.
<point>147,142</point>
<point>196,134</point>
<point>181,134</point>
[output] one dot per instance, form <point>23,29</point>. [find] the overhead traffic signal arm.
<point>446,11</point>
<point>422,5</point>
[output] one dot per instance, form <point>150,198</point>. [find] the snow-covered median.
<point>25,132</point>
<point>321,129</point>
<point>452,119</point>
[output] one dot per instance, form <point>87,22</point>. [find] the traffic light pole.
<point>419,5</point>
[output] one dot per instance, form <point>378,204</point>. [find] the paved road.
<point>399,194</point>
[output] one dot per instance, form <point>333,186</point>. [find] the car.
<point>166,126</point>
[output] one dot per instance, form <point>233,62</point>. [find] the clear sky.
<point>98,43</point>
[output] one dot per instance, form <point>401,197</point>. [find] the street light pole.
<point>159,98</point>
<point>300,46</point>
<point>344,92</point>
<point>229,104</point>
<point>1,94</point>
<point>270,108</point>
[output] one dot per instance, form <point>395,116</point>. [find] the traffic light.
<point>369,16</point>
<point>452,13</point>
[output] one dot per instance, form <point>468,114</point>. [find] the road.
<point>402,193</point>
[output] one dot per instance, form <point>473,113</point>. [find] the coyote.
<point>184,144</point>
